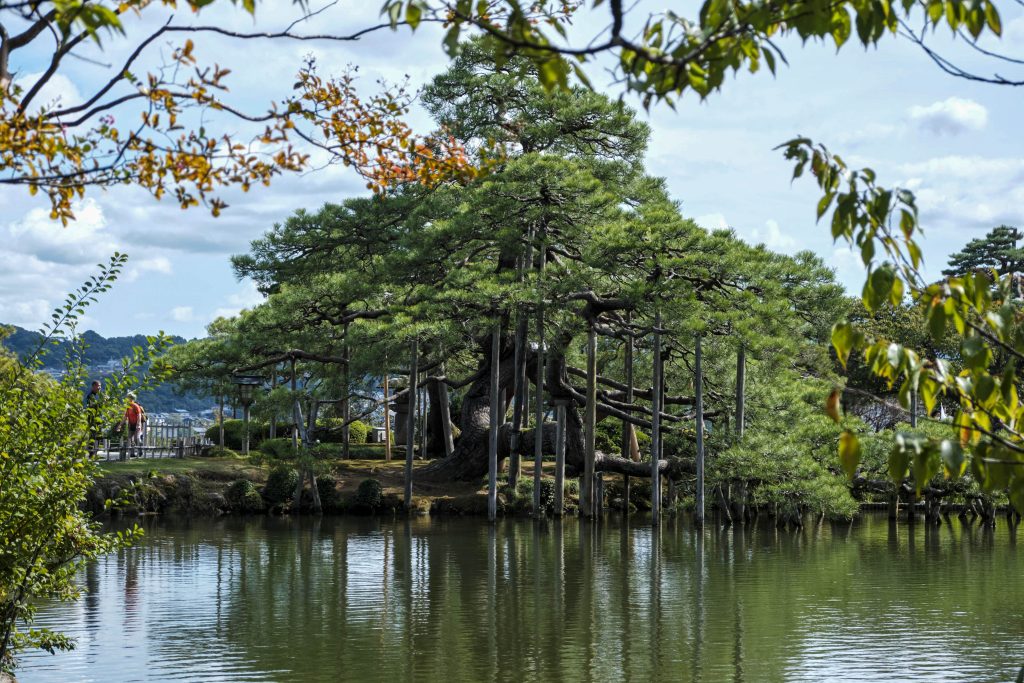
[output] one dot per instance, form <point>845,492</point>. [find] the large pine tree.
<point>998,250</point>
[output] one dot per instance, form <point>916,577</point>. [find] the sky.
<point>957,144</point>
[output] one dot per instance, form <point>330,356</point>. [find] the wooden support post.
<point>656,425</point>
<point>346,411</point>
<point>387,419</point>
<point>912,494</point>
<point>520,406</point>
<point>245,442</point>
<point>587,502</point>
<point>410,433</point>
<point>220,421</point>
<point>741,391</point>
<point>273,385</point>
<point>295,426</point>
<point>699,392</point>
<point>560,458</point>
<point>496,404</point>
<point>518,400</point>
<point>424,402</point>
<point>538,427</point>
<point>627,427</point>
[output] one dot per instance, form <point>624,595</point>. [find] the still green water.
<point>354,599</point>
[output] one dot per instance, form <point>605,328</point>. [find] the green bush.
<point>278,449</point>
<point>218,452</point>
<point>608,438</point>
<point>327,486</point>
<point>280,484</point>
<point>358,431</point>
<point>330,431</point>
<point>234,433</point>
<point>243,496</point>
<point>369,494</point>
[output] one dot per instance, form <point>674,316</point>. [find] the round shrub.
<point>330,431</point>
<point>234,433</point>
<point>369,494</point>
<point>327,486</point>
<point>281,483</point>
<point>243,496</point>
<point>358,431</point>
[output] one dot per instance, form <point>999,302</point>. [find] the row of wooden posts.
<point>590,483</point>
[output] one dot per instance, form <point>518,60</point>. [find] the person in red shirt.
<point>135,418</point>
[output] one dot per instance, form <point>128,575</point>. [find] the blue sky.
<point>957,144</point>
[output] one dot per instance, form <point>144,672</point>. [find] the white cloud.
<point>182,314</point>
<point>848,267</point>
<point>871,133</point>
<point>57,91</point>
<point>712,221</point>
<point>247,297</point>
<point>967,192</point>
<point>84,241</point>
<point>965,168</point>
<point>1014,31</point>
<point>153,264</point>
<point>772,237</point>
<point>951,116</point>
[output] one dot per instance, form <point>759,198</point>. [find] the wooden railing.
<point>159,441</point>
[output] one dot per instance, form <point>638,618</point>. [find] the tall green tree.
<point>569,191</point>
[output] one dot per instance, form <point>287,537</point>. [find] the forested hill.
<point>102,356</point>
<point>99,349</point>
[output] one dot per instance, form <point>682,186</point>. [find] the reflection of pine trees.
<point>367,599</point>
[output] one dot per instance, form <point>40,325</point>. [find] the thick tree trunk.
<point>469,461</point>
<point>439,424</point>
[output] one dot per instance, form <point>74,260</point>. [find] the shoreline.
<point>234,485</point>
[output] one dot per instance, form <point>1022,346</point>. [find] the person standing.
<point>135,419</point>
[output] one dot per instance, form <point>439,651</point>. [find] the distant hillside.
<point>99,354</point>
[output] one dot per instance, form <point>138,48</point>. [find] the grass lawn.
<point>212,467</point>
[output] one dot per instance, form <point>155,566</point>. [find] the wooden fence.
<point>159,441</point>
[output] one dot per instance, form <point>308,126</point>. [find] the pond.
<point>365,599</point>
